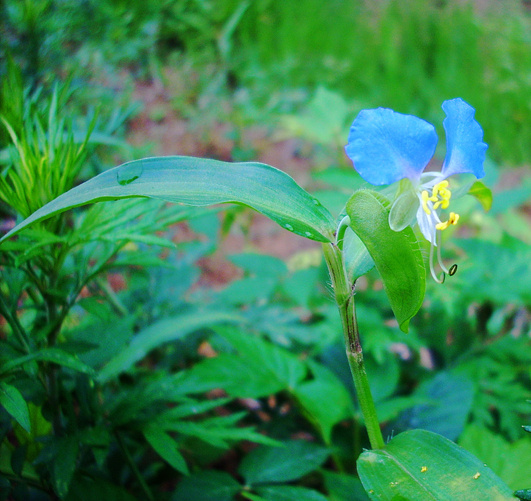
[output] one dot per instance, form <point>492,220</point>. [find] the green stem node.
<point>343,291</point>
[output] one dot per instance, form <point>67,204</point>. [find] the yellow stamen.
<point>439,188</point>
<point>440,197</point>
<point>451,220</point>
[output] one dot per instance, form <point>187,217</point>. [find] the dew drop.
<point>128,173</point>
<point>288,227</point>
<point>452,270</point>
<point>308,234</point>
<point>316,202</point>
<point>477,475</point>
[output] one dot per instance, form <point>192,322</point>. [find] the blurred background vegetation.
<point>88,84</point>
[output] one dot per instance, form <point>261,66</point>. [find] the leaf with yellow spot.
<point>420,464</point>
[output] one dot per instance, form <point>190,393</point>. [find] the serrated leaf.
<point>166,448</point>
<point>202,182</point>
<point>13,402</point>
<point>282,464</point>
<point>324,400</point>
<point>217,431</point>
<point>396,254</point>
<point>262,368</point>
<point>419,464</point>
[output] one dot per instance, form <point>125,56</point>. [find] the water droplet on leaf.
<point>288,227</point>
<point>127,173</point>
<point>308,234</point>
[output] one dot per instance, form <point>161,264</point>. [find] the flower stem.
<point>345,303</point>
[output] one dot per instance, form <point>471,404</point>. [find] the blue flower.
<point>386,147</point>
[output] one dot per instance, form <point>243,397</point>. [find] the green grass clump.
<point>409,56</point>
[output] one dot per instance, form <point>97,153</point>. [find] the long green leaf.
<point>54,355</point>
<point>396,254</point>
<point>419,464</point>
<point>14,403</point>
<point>201,182</point>
<point>166,448</point>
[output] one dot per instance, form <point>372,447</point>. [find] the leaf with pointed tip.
<point>14,403</point>
<point>396,254</point>
<point>202,182</point>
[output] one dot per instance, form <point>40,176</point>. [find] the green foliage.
<point>499,454</point>
<point>396,255</point>
<point>124,375</point>
<point>410,467</point>
<point>202,182</point>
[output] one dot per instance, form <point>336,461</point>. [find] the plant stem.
<point>18,330</point>
<point>133,466</point>
<point>345,303</point>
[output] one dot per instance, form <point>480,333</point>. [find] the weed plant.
<point>122,377</point>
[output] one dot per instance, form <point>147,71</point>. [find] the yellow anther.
<point>440,197</point>
<point>451,220</point>
<point>439,187</point>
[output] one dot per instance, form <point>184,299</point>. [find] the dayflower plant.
<point>387,147</point>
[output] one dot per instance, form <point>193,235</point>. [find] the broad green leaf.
<point>289,493</point>
<point>324,400</point>
<point>202,182</point>
<point>396,254</point>
<point>54,355</point>
<point>511,461</point>
<point>14,403</point>
<point>282,464</point>
<point>166,448</point>
<point>164,331</point>
<point>258,369</point>
<point>207,486</point>
<point>419,464</point>
<point>450,400</point>
<point>482,193</point>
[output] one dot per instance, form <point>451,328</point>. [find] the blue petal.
<point>387,146</point>
<point>465,149</point>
